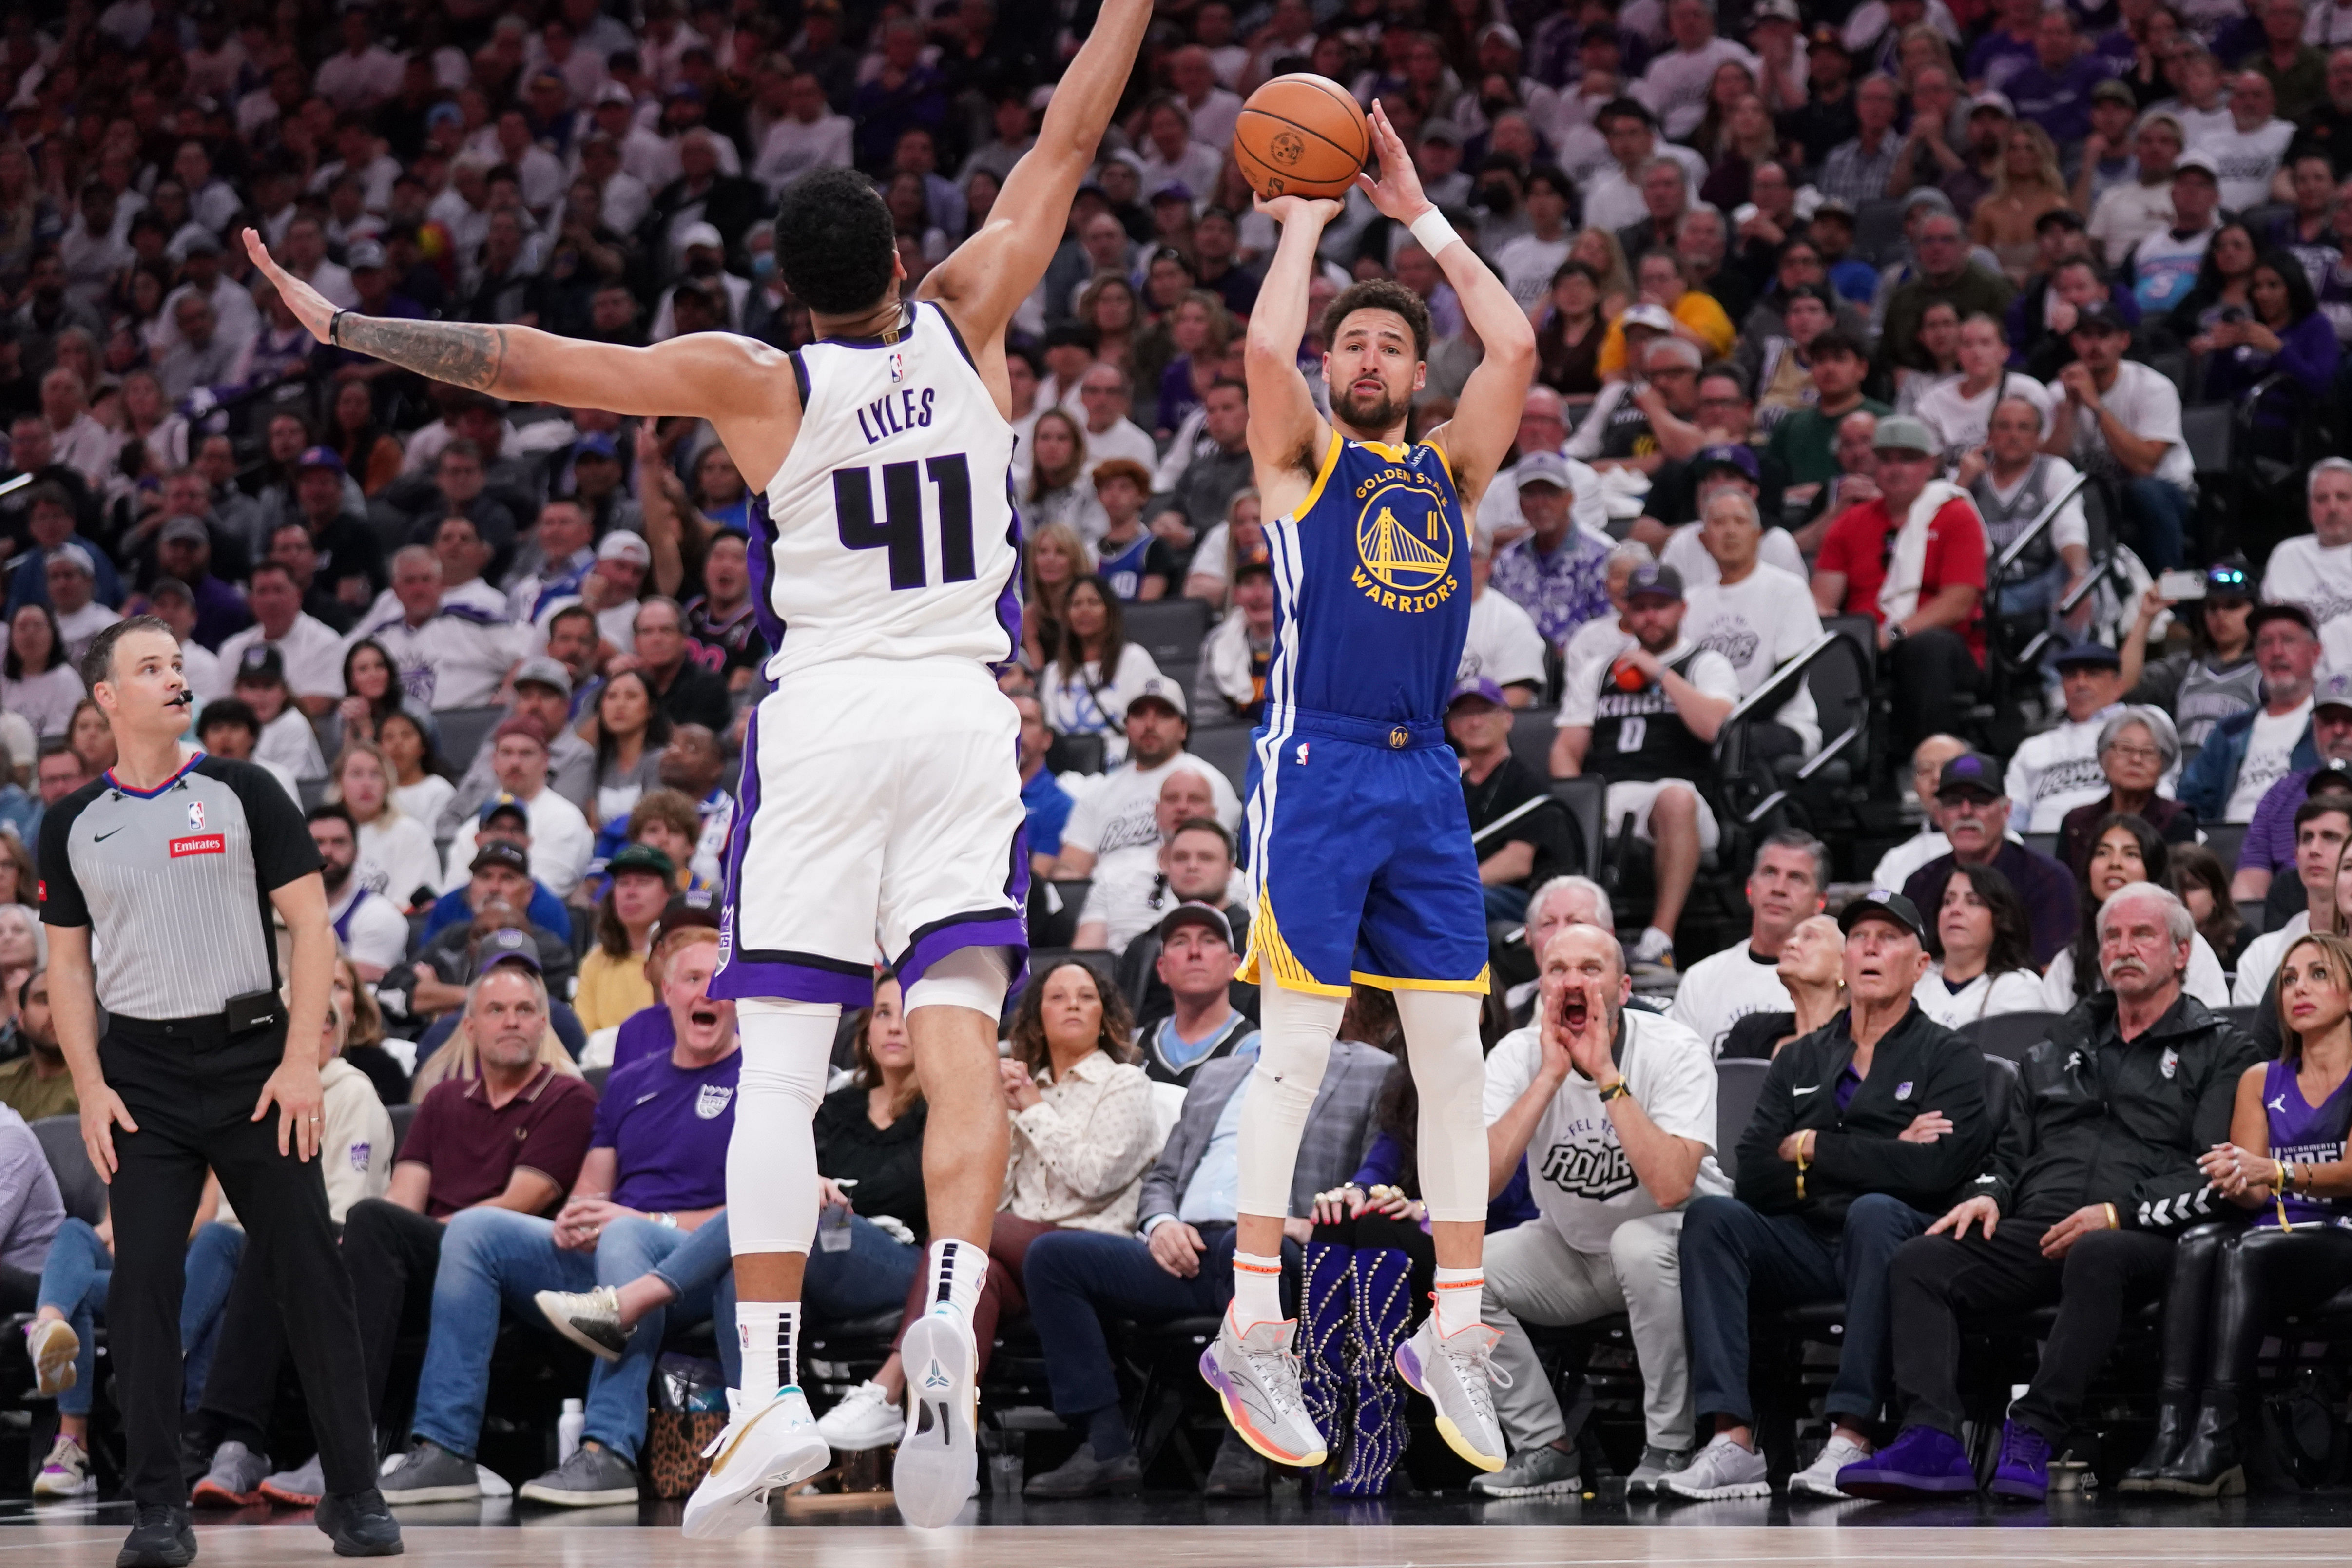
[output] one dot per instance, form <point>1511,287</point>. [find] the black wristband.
<point>335,328</point>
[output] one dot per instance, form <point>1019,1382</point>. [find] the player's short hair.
<point>1380,294</point>
<point>836,241</point>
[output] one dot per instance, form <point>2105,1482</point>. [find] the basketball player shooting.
<point>1359,842</point>
<point>880,790</point>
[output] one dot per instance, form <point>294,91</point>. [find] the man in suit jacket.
<point>1181,1265</point>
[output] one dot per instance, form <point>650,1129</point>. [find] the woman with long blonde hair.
<point>396,854</point>
<point>1054,557</point>
<point>2025,185</point>
<point>1598,248</point>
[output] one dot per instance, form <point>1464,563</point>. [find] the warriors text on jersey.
<point>1358,840</point>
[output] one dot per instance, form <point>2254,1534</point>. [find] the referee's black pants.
<point>190,1088</point>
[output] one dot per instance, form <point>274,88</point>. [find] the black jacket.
<point>1918,1065</point>
<point>2094,1119</point>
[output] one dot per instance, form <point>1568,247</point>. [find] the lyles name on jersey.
<point>895,413</point>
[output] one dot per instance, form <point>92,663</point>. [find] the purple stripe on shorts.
<point>762,563</point>
<point>790,981</point>
<point>994,929</point>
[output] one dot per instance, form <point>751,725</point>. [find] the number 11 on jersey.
<point>900,530</point>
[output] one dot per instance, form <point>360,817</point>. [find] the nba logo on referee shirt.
<point>196,816</point>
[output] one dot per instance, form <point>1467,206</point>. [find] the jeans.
<point>2157,514</point>
<point>492,1256</point>
<point>870,1275</point>
<point>1505,901</point>
<point>1073,1276</point>
<point>75,1281</point>
<point>1734,1258</point>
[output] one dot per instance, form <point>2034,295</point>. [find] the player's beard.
<point>1370,415</point>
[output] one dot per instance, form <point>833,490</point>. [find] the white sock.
<point>1460,1298</point>
<point>1257,1290</point>
<point>957,1271</point>
<point>769,1334</point>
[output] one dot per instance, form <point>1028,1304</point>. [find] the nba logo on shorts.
<point>196,815</point>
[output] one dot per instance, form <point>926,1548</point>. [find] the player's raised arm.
<point>1287,433</point>
<point>984,282</point>
<point>706,374</point>
<point>1487,415</point>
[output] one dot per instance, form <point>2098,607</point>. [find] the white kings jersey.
<point>889,533</point>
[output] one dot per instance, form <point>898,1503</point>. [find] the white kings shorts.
<point>880,807</point>
<point>1637,796</point>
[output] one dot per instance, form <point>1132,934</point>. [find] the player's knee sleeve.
<point>1441,1042</point>
<point>1293,1047</point>
<point>973,977</point>
<point>772,1158</point>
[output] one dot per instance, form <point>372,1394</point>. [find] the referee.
<point>167,868</point>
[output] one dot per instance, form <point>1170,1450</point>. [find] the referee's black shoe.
<point>161,1537</point>
<point>359,1524</point>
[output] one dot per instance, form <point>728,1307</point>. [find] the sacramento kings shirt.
<point>175,883</point>
<point>667,1127</point>
<point>1577,1171</point>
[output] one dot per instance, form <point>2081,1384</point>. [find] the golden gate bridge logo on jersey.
<point>1405,542</point>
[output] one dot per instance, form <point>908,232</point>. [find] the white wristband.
<point>1432,233</point>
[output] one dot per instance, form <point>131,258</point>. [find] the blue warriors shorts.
<point>1359,852</point>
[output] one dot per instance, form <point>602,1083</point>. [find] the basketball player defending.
<point>1359,841</point>
<point>880,792</point>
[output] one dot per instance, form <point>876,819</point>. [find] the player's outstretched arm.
<point>705,374</point>
<point>984,282</point>
<point>1487,415</point>
<point>1287,433</point>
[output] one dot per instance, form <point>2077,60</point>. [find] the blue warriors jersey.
<point>1358,839</point>
<point>1371,580</point>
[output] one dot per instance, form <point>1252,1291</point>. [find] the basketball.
<point>1301,135</point>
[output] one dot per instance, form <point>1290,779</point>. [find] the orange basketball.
<point>1301,135</point>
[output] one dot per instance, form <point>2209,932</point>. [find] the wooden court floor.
<point>567,1544</point>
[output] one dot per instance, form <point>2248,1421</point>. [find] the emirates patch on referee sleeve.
<point>200,844</point>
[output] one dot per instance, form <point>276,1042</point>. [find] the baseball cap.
<point>701,234</point>
<point>2112,87</point>
<point>363,253</point>
<point>2331,777</point>
<point>2335,691</point>
<point>202,242</point>
<point>2101,318</point>
<point>1835,207</point>
<point>170,588</point>
<point>521,724</point>
<point>1161,690</point>
<point>1652,581</point>
<point>545,671</point>
<point>1901,433</point>
<point>262,665</point>
<point>1479,687</point>
<point>641,857</point>
<point>2058,217</point>
<point>1880,903</point>
<point>504,804</point>
<point>2265,613</point>
<point>1173,191</point>
<point>1543,468</point>
<point>1192,912</point>
<point>1645,314</point>
<point>596,444</point>
<point>184,530</point>
<point>2086,654</point>
<point>75,556</point>
<point>2228,579</point>
<point>613,92</point>
<point>1995,100</point>
<point>1970,773</point>
<point>1502,30</point>
<point>1772,11</point>
<point>1252,560</point>
<point>1729,455</point>
<point>1441,131</point>
<point>498,852</point>
<point>507,946</point>
<point>1927,196</point>
<point>2198,162</point>
<point>319,457</point>
<point>695,907</point>
<point>623,545</point>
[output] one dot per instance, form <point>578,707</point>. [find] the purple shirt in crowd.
<point>667,1127</point>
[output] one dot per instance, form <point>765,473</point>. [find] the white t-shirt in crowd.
<point>1527,263</point>
<point>1590,647</point>
<point>2127,214</point>
<point>290,743</point>
<point>2270,757</point>
<point>2305,572</point>
<point>378,932</point>
<point>1959,423</point>
<point>2247,159</point>
<point>423,800</point>
<point>396,858</point>
<point>2204,980</point>
<point>2261,959</point>
<point>311,651</point>
<point>2019,990</point>
<point>1583,1184</point>
<point>2056,770</point>
<point>561,844</point>
<point>1084,703</point>
<point>1503,644</point>
<point>1710,672</point>
<point>1686,554</point>
<point>1758,623</point>
<point>1119,812</point>
<point>1128,895</point>
<point>2145,402</point>
<point>1675,85</point>
<point>1725,987</point>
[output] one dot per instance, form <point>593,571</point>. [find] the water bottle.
<point>568,1427</point>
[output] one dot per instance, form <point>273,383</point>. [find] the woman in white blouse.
<point>1984,953</point>
<point>1082,1131</point>
<point>396,855</point>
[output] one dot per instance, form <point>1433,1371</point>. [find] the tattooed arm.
<point>713,375</point>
